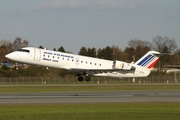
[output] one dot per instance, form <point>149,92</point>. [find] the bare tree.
<point>164,44</point>
<point>25,43</point>
<point>118,54</point>
<point>4,42</point>
<point>18,43</point>
<point>137,48</point>
<point>136,43</point>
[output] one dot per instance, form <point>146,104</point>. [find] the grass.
<point>68,88</point>
<point>89,111</point>
<point>92,111</point>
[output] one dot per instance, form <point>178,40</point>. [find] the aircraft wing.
<point>97,71</point>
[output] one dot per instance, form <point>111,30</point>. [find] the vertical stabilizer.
<point>149,59</point>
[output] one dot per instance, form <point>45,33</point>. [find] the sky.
<point>88,23</point>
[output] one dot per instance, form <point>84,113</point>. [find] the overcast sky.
<point>91,23</point>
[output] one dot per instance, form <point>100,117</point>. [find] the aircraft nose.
<point>9,56</point>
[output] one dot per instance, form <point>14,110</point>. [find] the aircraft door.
<point>37,54</point>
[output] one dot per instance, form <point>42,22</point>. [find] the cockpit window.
<point>23,50</point>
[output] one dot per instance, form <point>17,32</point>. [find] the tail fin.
<point>149,59</point>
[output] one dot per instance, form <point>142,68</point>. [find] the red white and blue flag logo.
<point>148,61</point>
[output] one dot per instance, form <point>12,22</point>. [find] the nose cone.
<point>9,56</point>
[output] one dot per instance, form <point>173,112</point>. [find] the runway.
<point>91,97</point>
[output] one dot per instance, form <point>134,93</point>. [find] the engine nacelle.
<point>122,65</point>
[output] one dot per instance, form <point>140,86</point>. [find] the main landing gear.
<point>87,78</point>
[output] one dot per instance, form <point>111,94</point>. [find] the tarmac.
<point>91,97</point>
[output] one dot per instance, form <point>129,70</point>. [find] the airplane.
<point>86,67</point>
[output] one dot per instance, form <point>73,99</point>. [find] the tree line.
<point>135,49</point>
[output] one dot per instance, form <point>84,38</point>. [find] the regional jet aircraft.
<point>85,67</point>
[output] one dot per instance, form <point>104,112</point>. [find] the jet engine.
<point>122,65</point>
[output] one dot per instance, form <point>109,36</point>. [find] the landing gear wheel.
<point>80,78</point>
<point>88,78</point>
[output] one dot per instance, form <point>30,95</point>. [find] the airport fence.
<point>94,80</point>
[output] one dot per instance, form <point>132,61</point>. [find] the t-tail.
<point>149,59</point>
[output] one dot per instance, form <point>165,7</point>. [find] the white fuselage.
<point>66,61</point>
